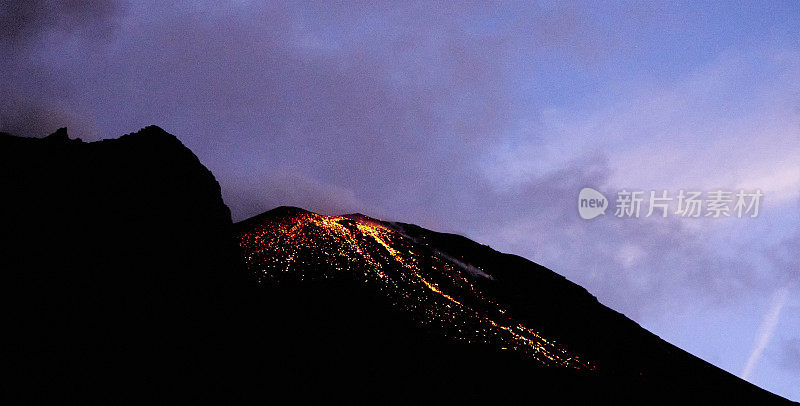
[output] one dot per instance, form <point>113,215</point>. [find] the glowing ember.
<point>435,291</point>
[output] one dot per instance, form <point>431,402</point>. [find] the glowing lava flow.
<point>437,292</point>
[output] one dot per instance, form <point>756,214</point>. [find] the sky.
<point>484,119</point>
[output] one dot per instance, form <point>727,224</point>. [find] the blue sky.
<point>483,119</point>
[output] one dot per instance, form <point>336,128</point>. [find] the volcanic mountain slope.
<point>122,282</point>
<point>519,324</point>
<point>434,290</point>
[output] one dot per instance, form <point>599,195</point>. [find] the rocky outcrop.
<point>118,270</point>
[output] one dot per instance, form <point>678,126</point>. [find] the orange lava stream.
<point>438,293</point>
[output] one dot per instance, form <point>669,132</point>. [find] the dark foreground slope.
<point>458,317</point>
<point>117,270</point>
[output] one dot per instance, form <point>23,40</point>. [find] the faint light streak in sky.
<point>767,329</point>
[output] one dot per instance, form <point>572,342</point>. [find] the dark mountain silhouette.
<point>117,268</point>
<point>123,280</point>
<point>496,324</point>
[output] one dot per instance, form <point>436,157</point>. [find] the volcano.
<point>492,324</point>
<point>124,280</point>
<point>439,292</point>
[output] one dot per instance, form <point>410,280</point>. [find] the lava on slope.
<point>438,292</point>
